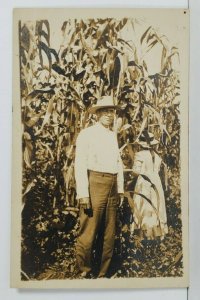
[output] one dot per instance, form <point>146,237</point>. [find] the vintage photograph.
<point>100,155</point>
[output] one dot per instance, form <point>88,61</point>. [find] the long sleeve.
<point>81,169</point>
<point>120,176</point>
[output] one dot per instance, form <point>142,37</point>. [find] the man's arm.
<point>120,177</point>
<point>81,172</point>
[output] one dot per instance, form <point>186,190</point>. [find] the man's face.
<point>106,116</point>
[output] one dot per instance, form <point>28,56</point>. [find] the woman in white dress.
<point>148,201</point>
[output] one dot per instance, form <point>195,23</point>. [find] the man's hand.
<point>85,203</point>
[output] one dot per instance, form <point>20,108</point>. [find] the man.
<point>99,180</point>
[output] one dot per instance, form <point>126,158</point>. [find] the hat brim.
<point>94,109</point>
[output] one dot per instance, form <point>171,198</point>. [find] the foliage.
<point>58,86</point>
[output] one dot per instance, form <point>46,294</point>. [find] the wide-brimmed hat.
<point>103,102</point>
<point>147,140</point>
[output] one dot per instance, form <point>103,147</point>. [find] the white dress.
<point>148,201</point>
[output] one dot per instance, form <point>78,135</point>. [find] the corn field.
<point>96,57</point>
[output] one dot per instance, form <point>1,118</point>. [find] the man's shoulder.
<point>87,131</point>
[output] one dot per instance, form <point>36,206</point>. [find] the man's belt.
<point>103,174</point>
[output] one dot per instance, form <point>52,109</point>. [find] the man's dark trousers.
<point>103,195</point>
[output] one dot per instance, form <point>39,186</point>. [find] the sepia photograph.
<point>100,148</point>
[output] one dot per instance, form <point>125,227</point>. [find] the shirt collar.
<point>101,127</point>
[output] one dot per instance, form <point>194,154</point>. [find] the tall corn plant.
<point>58,86</point>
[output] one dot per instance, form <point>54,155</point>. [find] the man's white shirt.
<point>97,150</point>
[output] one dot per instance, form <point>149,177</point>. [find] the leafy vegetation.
<point>96,57</point>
